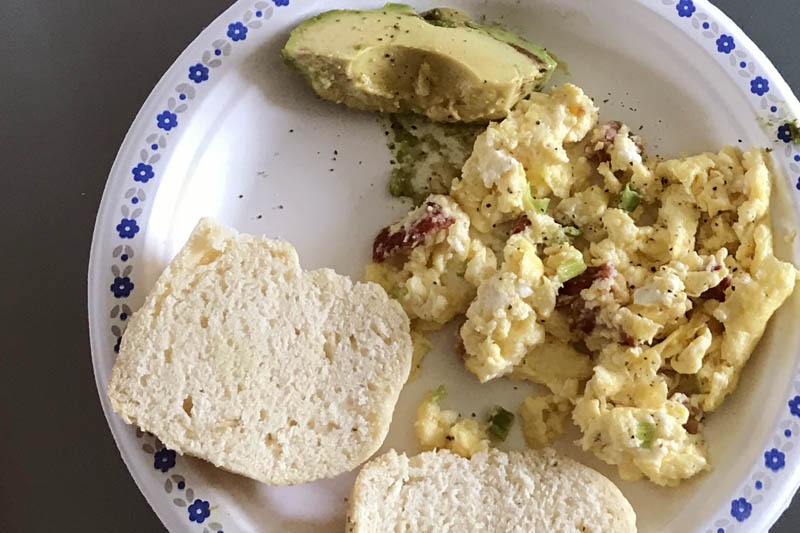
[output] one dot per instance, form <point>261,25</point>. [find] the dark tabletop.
<point>73,74</point>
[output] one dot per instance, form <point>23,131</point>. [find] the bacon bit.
<point>626,339</point>
<point>637,140</point>
<point>519,225</point>
<point>581,317</point>
<point>602,138</point>
<point>387,243</point>
<point>717,292</point>
<point>574,286</point>
<point>608,131</point>
<point>692,425</point>
<point>696,415</point>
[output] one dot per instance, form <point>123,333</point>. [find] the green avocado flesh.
<point>453,18</point>
<point>394,60</point>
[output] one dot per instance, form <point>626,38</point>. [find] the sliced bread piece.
<point>241,358</point>
<point>535,491</point>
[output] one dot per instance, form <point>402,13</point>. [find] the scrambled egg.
<point>444,429</point>
<point>635,289</point>
<point>543,418</point>
<point>502,322</point>
<point>630,418</point>
<point>432,265</point>
<point>556,365</point>
<point>525,152</point>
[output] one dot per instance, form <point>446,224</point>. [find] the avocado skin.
<point>339,74</point>
<point>448,17</point>
<point>404,9</point>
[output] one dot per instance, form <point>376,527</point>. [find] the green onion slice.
<point>439,394</point>
<point>500,422</point>
<point>534,204</point>
<point>630,198</point>
<point>646,433</point>
<point>570,268</point>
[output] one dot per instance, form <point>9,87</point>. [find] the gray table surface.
<point>73,74</point>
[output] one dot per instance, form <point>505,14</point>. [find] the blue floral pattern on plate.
<point>122,287</point>
<point>794,406</point>
<point>725,44</point>
<point>741,509</point>
<point>199,511</point>
<point>774,459</point>
<point>164,459</point>
<point>142,173</point>
<point>759,86</point>
<point>127,228</point>
<point>785,133</point>
<point>685,8</point>
<point>198,73</point>
<point>237,31</point>
<point>167,120</point>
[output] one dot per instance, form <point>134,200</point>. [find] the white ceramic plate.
<point>230,132</point>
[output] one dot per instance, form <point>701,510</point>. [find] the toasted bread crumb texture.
<point>535,491</point>
<point>241,358</point>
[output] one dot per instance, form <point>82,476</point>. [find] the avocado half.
<point>440,64</point>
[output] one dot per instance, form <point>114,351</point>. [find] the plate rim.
<point>718,522</point>
<point>166,514</point>
<point>741,512</point>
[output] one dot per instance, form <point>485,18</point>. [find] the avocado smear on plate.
<point>426,155</point>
